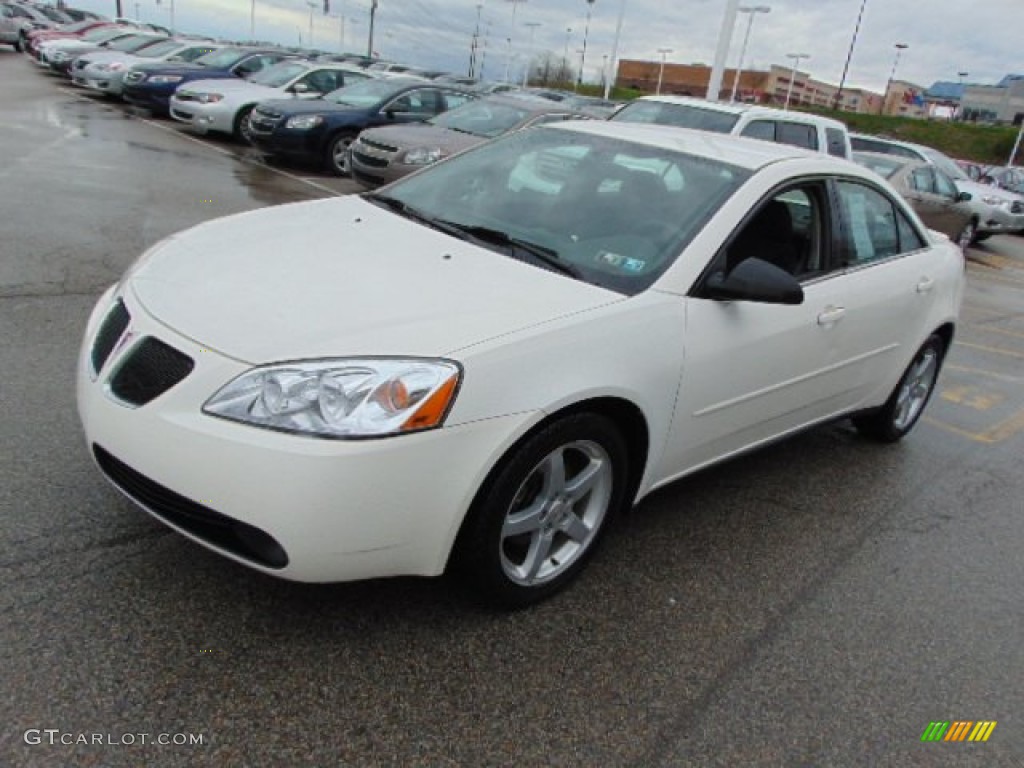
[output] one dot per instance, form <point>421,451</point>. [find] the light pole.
<point>252,21</point>
<point>615,48</point>
<point>586,33</point>
<point>565,54</point>
<point>369,38</point>
<point>900,48</point>
<point>526,70</point>
<point>508,52</point>
<point>792,73</point>
<point>722,50</point>
<point>751,11</point>
<point>604,72</point>
<point>661,68</point>
<point>311,5</point>
<point>849,57</point>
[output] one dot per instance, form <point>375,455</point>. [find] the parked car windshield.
<point>365,93</point>
<point>606,211</point>
<point>158,49</point>
<point>679,115</point>
<point>279,74</point>
<point>883,165</point>
<point>945,164</point>
<point>101,34</point>
<point>222,59</point>
<point>480,118</point>
<point>132,43</point>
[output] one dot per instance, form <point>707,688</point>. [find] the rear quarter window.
<point>797,134</point>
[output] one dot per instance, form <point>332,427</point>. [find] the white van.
<point>800,129</point>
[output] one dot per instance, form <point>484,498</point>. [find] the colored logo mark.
<point>959,730</point>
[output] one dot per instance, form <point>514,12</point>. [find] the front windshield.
<point>222,59</point>
<point>365,93</point>
<point>102,33</point>
<point>279,74</point>
<point>480,118</point>
<point>131,43</point>
<point>156,50</point>
<point>883,166</point>
<point>607,211</point>
<point>679,115</point>
<point>944,164</point>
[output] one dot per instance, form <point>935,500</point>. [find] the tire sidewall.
<point>345,137</point>
<point>478,548</point>
<point>882,424</point>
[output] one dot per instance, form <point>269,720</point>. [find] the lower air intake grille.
<point>113,326</point>
<point>238,538</point>
<point>149,370</point>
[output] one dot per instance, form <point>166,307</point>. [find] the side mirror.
<point>300,88</point>
<point>963,197</point>
<point>755,280</point>
<point>175,58</point>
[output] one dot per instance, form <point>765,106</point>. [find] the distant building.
<point>1001,103</point>
<point>764,87</point>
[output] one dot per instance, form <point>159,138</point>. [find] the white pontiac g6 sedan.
<point>478,366</point>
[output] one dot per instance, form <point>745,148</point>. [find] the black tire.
<point>908,400</point>
<point>242,132</point>
<point>541,514</point>
<point>19,45</point>
<point>336,158</point>
<point>968,235</point>
<point>981,236</point>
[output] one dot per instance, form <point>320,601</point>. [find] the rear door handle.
<point>925,284</point>
<point>831,315</point>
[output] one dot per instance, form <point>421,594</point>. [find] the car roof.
<point>527,102</point>
<point>743,109</point>
<point>740,151</point>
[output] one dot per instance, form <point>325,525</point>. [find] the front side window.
<point>797,135</point>
<point>787,230</point>
<point>420,102</point>
<point>923,180</point>
<point>599,209</point>
<point>945,186</point>
<point>873,226</point>
<point>760,129</point>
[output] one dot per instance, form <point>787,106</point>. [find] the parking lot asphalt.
<point>816,603</point>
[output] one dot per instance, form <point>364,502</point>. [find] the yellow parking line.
<point>996,350</point>
<point>980,372</point>
<point>999,433</point>
<point>993,329</point>
<point>975,436</point>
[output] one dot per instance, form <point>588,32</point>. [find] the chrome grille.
<point>369,160</point>
<point>378,145</point>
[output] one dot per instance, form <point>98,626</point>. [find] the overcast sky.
<point>944,36</point>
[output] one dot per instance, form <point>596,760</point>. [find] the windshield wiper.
<point>547,256</point>
<point>543,254</point>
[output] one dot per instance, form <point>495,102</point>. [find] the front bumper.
<point>203,117</point>
<point>157,99</point>
<point>300,508</point>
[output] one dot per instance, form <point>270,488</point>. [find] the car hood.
<point>232,85</point>
<point>343,277</point>
<point>309,107</point>
<point>412,135</point>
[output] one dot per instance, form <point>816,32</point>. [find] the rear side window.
<point>797,134</point>
<point>873,226</point>
<point>760,129</point>
<point>836,142</point>
<point>923,180</point>
<point>679,115</point>
<point>861,144</point>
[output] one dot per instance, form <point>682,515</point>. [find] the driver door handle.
<point>925,284</point>
<point>831,315</point>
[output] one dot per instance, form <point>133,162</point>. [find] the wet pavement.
<point>817,603</point>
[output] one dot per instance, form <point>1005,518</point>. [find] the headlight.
<point>303,122</point>
<point>423,156</point>
<point>165,79</point>
<point>345,398</point>
<point>208,98</point>
<point>117,66</point>
<point>994,200</point>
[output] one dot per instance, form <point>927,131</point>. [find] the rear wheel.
<point>337,153</point>
<point>243,132</point>
<point>537,522</point>
<point>905,405</point>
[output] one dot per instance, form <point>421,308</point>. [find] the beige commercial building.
<point>769,87</point>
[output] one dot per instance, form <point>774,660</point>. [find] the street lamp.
<point>615,48</point>
<point>565,54</point>
<point>792,73</point>
<point>311,5</point>
<point>586,33</point>
<point>900,48</point>
<point>508,54</point>
<point>526,70</point>
<point>661,69</point>
<point>752,11</point>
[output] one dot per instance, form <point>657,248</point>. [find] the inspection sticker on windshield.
<point>619,261</point>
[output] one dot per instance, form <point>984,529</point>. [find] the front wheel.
<point>967,235</point>
<point>905,405</point>
<point>538,520</point>
<point>243,131</point>
<point>337,153</point>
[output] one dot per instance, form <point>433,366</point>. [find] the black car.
<point>152,87</point>
<point>321,130</point>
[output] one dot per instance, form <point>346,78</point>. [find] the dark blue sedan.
<point>152,86</point>
<point>321,130</point>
